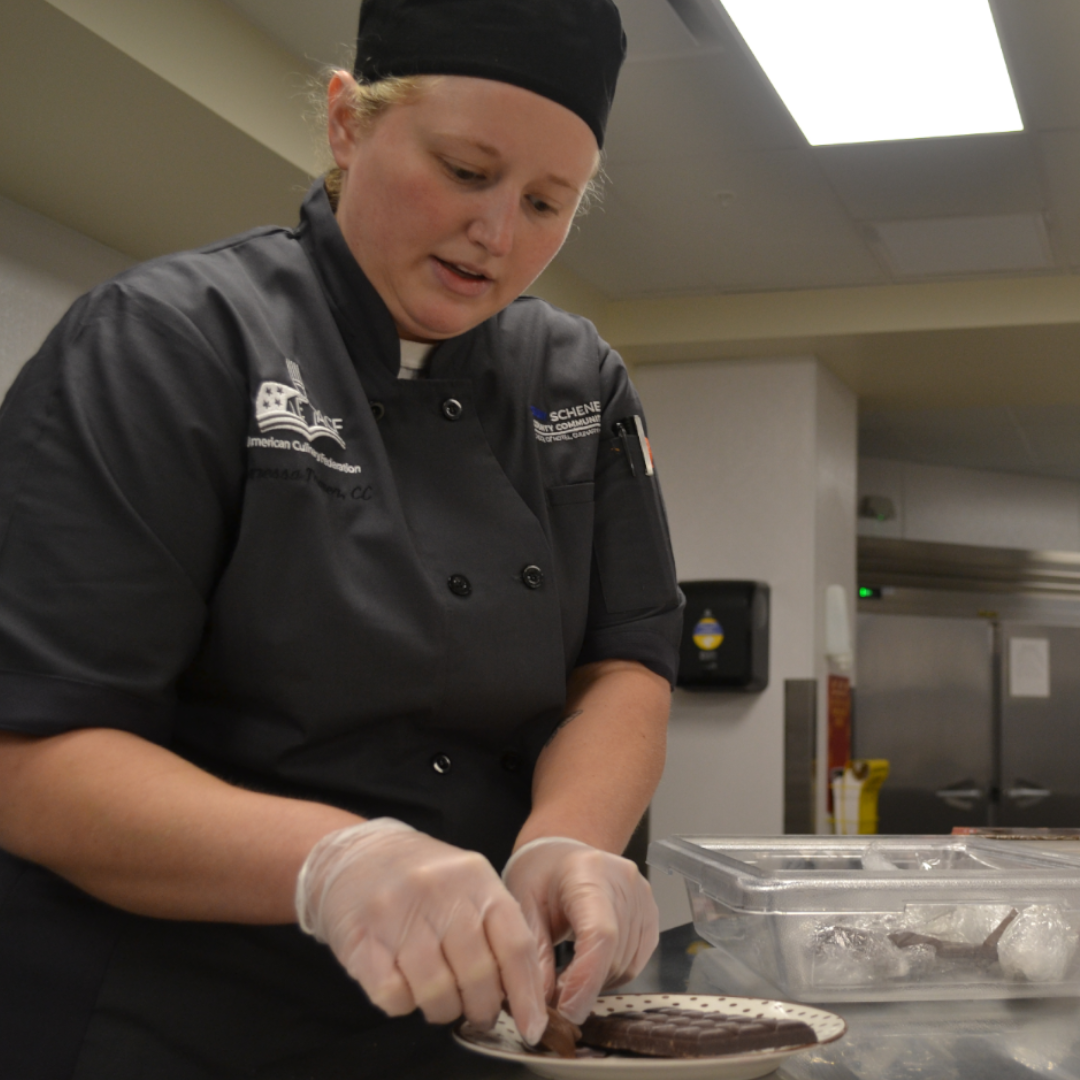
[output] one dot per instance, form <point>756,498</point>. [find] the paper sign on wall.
<point>1029,667</point>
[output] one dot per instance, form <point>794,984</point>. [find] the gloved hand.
<point>568,889</point>
<point>422,924</point>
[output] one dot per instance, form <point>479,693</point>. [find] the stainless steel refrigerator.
<point>968,682</point>
<point>978,717</point>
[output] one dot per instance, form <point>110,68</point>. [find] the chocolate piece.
<point>995,935</point>
<point>946,950</point>
<point>986,953</point>
<point>672,1032</point>
<point>560,1036</point>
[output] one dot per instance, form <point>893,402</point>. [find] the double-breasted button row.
<point>510,761</point>
<point>451,408</point>
<point>459,584</point>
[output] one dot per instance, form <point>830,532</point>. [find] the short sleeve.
<point>121,467</point>
<point>635,605</point>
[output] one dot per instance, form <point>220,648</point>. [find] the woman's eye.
<point>460,172</point>
<point>541,206</point>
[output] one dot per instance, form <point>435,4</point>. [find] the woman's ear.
<point>341,123</point>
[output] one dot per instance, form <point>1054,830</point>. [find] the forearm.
<point>140,828</point>
<point>594,779</point>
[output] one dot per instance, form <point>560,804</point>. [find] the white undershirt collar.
<point>414,358</point>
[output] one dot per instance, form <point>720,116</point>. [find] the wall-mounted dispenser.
<point>725,642</point>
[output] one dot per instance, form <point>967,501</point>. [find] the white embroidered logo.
<point>565,425</point>
<point>279,407</point>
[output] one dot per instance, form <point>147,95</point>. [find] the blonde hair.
<point>368,101</point>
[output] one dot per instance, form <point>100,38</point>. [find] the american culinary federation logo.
<point>288,408</point>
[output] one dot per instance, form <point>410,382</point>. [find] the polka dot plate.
<point>504,1042</point>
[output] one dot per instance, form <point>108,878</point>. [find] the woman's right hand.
<point>422,924</point>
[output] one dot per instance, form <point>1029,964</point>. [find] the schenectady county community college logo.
<point>288,408</point>
<point>563,425</point>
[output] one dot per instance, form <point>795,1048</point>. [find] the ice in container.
<point>886,918</point>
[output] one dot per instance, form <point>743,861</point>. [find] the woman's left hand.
<point>568,889</point>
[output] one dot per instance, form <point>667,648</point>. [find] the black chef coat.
<point>227,527</point>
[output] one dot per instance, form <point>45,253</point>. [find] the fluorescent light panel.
<point>854,71</point>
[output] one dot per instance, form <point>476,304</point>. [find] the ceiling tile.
<point>694,104</point>
<point>750,98</point>
<point>965,245</point>
<point>653,29</point>
<point>1061,153</point>
<point>668,109</point>
<point>1040,41</point>
<point>625,257</point>
<point>782,228</point>
<point>923,178</point>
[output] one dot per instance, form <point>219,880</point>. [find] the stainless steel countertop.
<point>935,1040</point>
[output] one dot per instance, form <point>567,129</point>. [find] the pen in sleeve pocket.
<point>631,432</point>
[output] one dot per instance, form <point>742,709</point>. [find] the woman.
<point>289,634</point>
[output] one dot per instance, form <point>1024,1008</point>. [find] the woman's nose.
<point>493,227</point>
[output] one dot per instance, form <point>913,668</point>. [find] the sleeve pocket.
<point>633,553</point>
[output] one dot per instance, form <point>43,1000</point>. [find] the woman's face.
<point>454,203</point>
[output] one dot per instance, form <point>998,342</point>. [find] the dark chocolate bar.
<point>672,1032</point>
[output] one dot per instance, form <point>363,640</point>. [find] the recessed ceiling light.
<point>873,70</point>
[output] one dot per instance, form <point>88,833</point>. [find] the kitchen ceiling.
<point>713,188</point>
<point>713,192</point>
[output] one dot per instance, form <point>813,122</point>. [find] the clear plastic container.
<point>886,918</point>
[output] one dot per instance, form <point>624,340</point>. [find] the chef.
<point>335,581</point>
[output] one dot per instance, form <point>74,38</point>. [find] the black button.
<point>459,585</point>
<point>533,576</point>
<point>378,410</point>
<point>441,764</point>
<point>511,761</point>
<point>452,409</point>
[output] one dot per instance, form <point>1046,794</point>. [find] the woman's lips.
<point>460,279</point>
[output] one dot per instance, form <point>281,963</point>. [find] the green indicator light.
<point>865,594</point>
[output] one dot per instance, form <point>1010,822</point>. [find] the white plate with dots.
<point>504,1042</point>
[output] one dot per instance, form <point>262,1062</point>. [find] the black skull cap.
<point>567,50</point>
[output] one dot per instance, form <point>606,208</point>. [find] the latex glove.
<point>422,924</point>
<point>568,889</point>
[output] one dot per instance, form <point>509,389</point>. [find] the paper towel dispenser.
<point>725,641</point>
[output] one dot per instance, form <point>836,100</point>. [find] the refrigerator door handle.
<point>1024,793</point>
<point>962,795</point>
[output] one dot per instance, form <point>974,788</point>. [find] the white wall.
<point>757,460</point>
<point>44,266</point>
<point>969,506</point>
<point>836,547</point>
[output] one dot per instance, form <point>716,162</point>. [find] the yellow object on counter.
<point>855,796</point>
